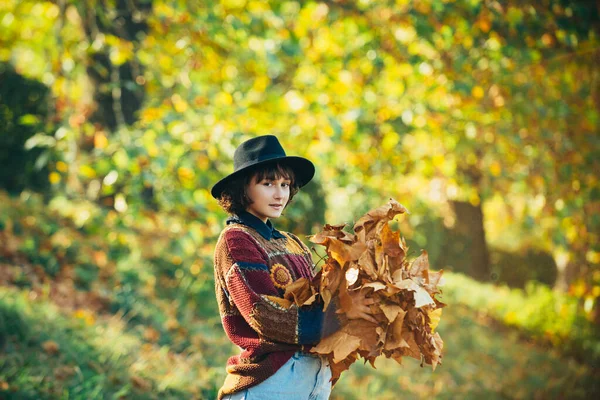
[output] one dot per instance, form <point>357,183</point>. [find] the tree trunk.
<point>469,223</point>
<point>118,90</point>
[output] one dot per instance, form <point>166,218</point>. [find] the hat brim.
<point>303,168</point>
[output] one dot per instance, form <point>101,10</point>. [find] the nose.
<point>279,192</point>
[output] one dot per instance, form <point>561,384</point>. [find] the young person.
<point>254,262</point>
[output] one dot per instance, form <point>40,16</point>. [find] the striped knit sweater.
<point>253,264</point>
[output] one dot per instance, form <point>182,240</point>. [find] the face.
<point>269,197</point>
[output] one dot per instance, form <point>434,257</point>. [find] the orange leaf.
<point>391,242</point>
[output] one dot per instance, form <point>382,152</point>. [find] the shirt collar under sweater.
<point>266,230</point>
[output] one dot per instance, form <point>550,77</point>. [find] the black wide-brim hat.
<point>264,150</point>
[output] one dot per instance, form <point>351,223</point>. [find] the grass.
<point>49,352</point>
<point>480,360</point>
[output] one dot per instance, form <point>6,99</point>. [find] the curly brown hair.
<point>234,198</point>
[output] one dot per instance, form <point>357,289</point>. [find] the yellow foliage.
<point>87,171</point>
<point>495,168</point>
<point>477,92</point>
<point>100,140</point>
<point>54,177</point>
<point>85,315</point>
<point>474,198</point>
<point>223,99</point>
<point>61,166</point>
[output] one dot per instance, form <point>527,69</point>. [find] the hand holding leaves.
<point>360,306</point>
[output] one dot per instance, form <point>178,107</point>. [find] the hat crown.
<point>257,149</point>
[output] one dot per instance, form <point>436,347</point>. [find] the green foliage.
<point>549,316</point>
<point>23,116</point>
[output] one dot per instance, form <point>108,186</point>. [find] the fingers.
<point>368,318</point>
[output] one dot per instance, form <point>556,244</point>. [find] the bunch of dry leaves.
<point>373,259</point>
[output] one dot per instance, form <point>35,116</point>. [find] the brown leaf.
<point>370,224</point>
<point>284,303</point>
<point>435,277</point>
<point>375,258</point>
<point>366,262</point>
<point>332,275</point>
<point>345,299</point>
<point>397,276</point>
<point>300,291</point>
<point>390,310</point>
<point>365,330</point>
<point>327,296</point>
<point>420,264</point>
<point>332,232</point>
<point>375,285</point>
<point>391,242</point>
<point>50,347</point>
<point>412,350</point>
<point>437,355</point>
<point>151,334</point>
<point>340,343</point>
<point>343,253</point>
<point>338,368</point>
<point>397,355</point>
<point>140,383</point>
<point>394,334</point>
<point>64,372</point>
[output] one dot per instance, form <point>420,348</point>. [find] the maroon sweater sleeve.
<point>249,284</point>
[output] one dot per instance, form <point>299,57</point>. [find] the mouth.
<point>278,206</point>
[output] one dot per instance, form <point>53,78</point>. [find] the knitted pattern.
<point>251,274</point>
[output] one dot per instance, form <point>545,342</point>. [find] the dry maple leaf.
<point>301,292</point>
<point>373,259</point>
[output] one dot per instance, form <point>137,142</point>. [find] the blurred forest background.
<point>117,116</point>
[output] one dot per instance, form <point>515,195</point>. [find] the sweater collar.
<point>266,230</point>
